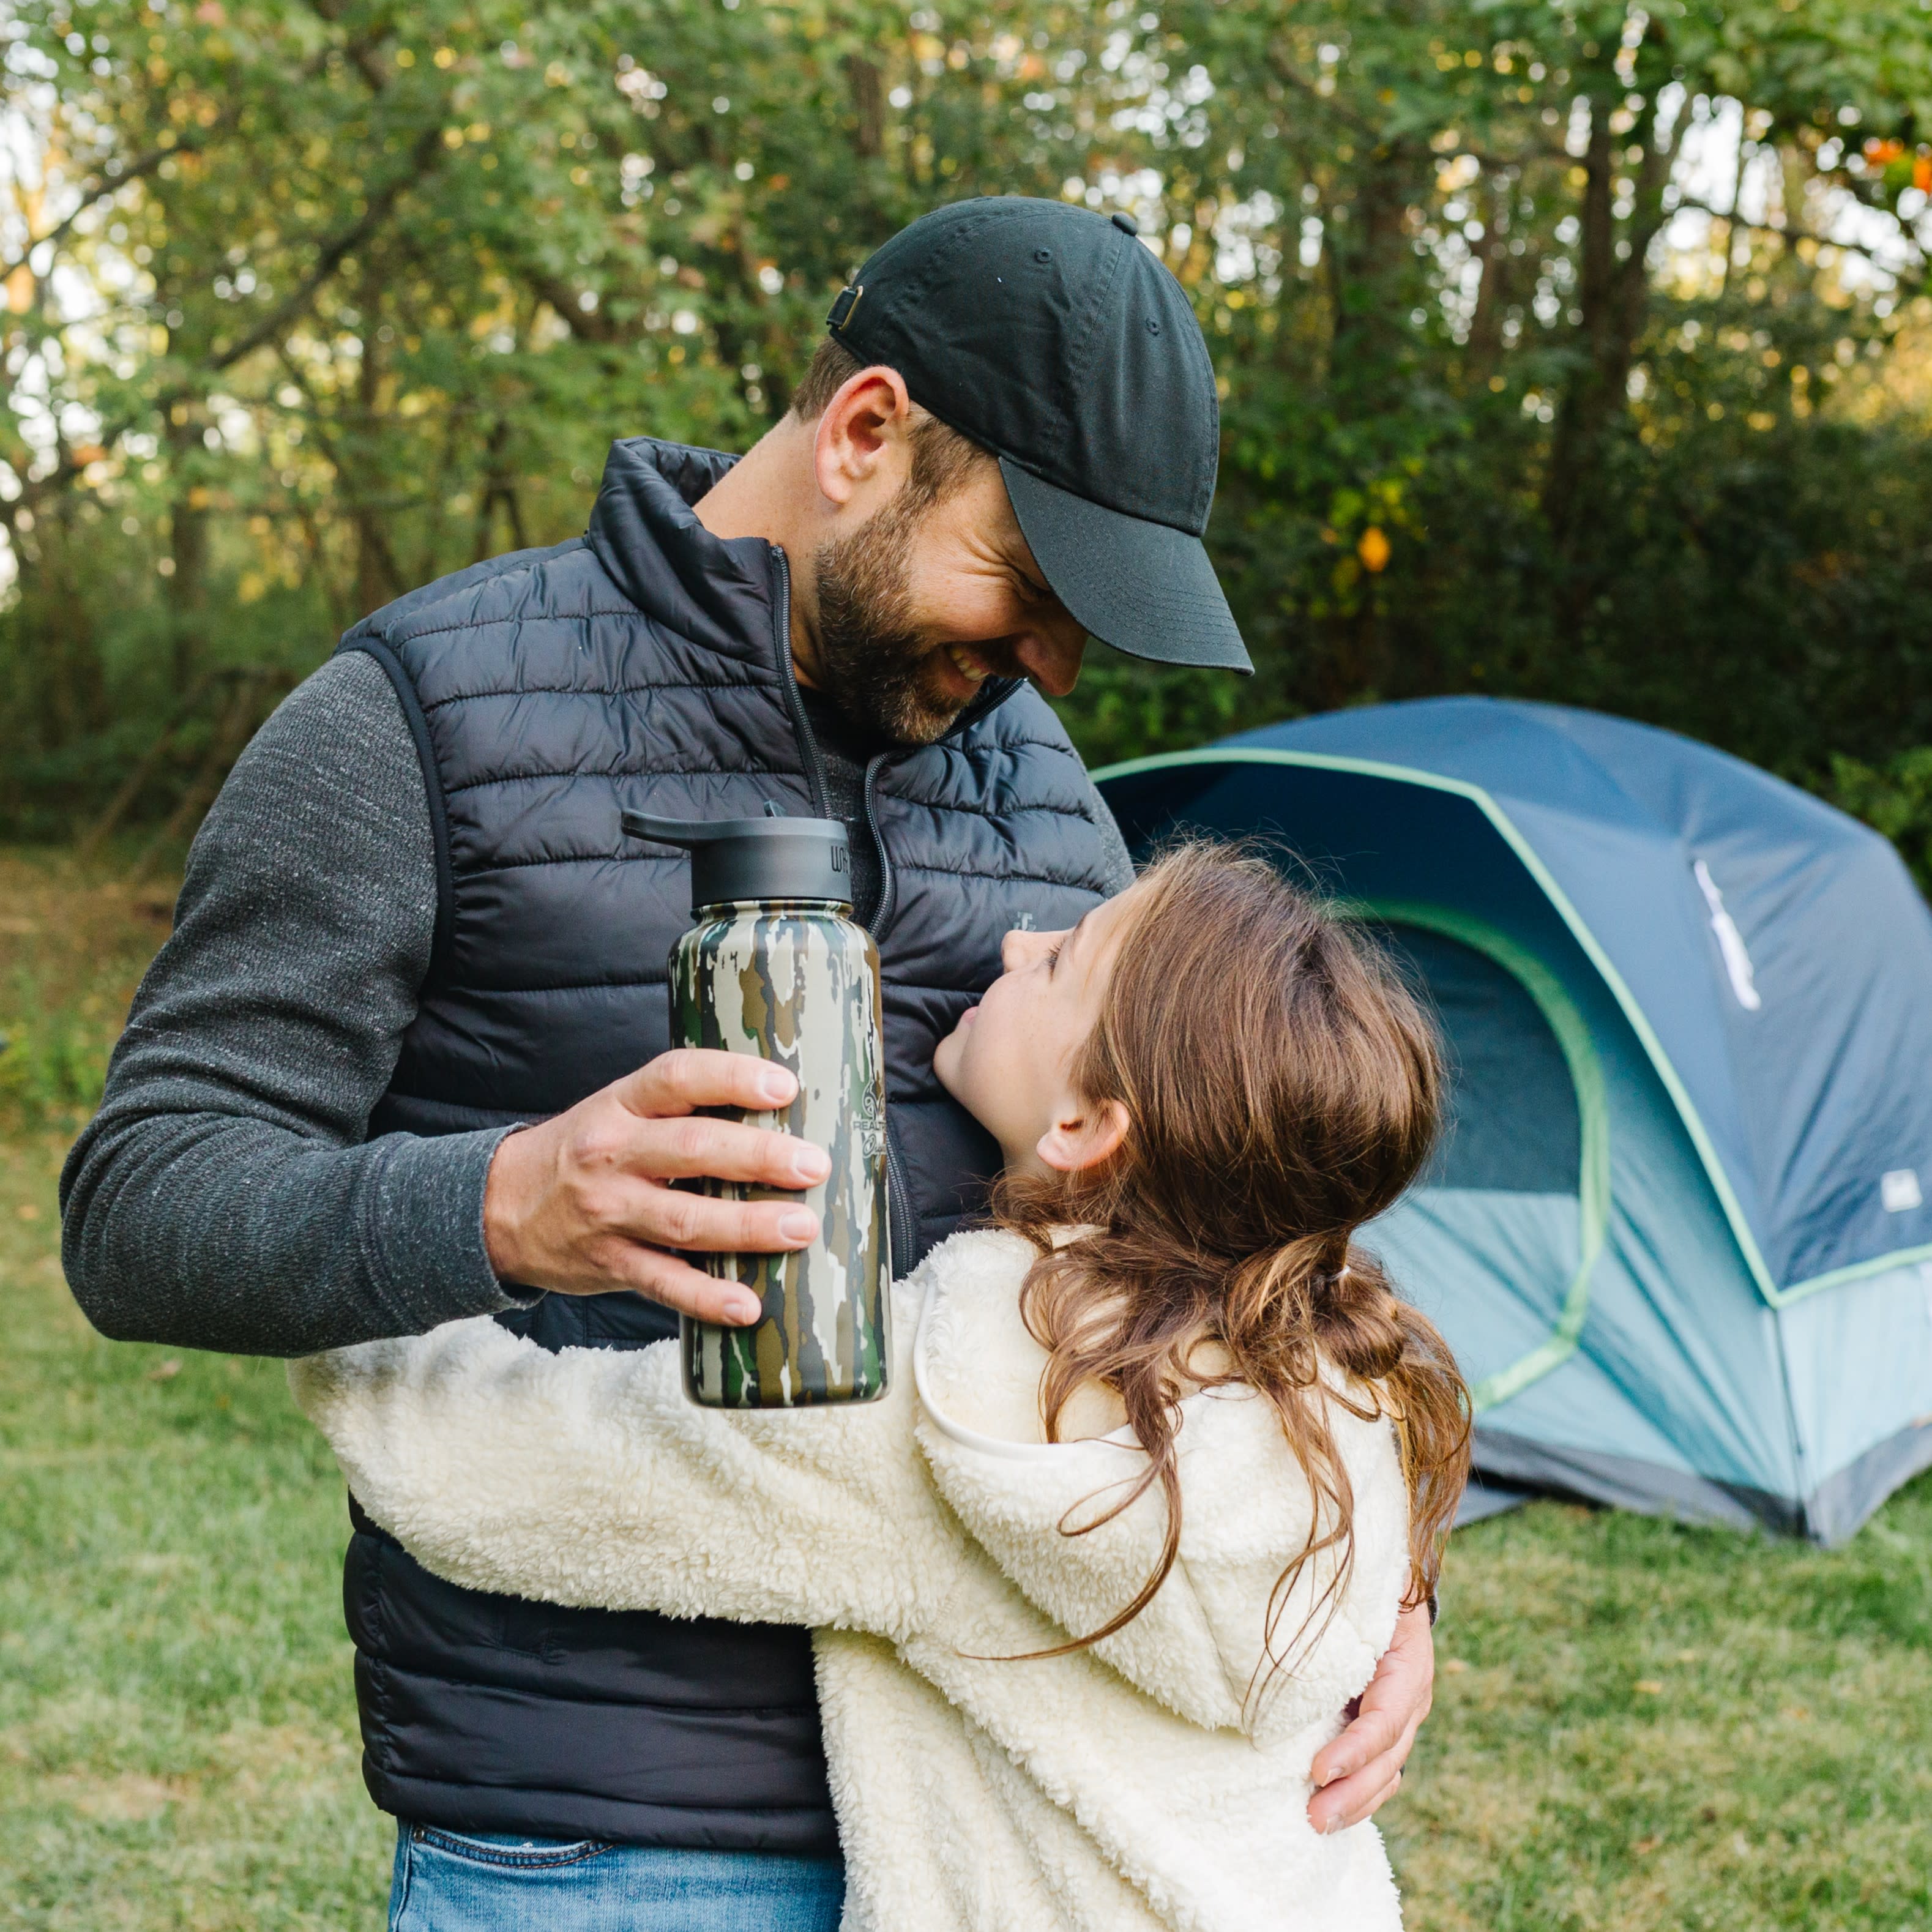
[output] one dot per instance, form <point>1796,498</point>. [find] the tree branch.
<point>590,324</point>
<point>332,256</point>
<point>101,186</point>
<point>1792,235</point>
<point>1290,76</point>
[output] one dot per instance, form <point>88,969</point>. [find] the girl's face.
<point>1009,1061</point>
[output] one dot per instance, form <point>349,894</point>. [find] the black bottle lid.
<point>769,858</point>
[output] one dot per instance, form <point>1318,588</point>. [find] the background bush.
<point>1576,351</point>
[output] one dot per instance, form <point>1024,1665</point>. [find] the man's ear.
<point>1084,1136</point>
<point>861,442</point>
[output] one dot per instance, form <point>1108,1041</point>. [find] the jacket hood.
<point>1202,1646</point>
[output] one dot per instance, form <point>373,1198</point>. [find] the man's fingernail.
<point>798,1225</point>
<point>1335,1774</point>
<point>744,1308</point>
<point>812,1164</point>
<point>778,1086</point>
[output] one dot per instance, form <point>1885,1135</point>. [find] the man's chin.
<point>942,694</point>
<point>924,716</point>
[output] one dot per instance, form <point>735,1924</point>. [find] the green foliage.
<point>72,946</point>
<point>53,1064</point>
<point>310,300</point>
<point>1894,798</point>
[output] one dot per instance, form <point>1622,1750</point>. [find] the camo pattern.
<point>795,983</point>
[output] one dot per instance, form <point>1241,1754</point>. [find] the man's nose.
<point>1051,651</point>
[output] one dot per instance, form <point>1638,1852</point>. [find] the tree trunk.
<point>1485,346</point>
<point>378,581</point>
<point>1370,264</point>
<point>869,106</point>
<point>1613,295</point>
<point>188,547</point>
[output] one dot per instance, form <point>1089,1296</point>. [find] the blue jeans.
<point>452,1882</point>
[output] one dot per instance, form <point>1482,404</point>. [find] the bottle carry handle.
<point>681,832</point>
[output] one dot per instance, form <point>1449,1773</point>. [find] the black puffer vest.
<point>648,665</point>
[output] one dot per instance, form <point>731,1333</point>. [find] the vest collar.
<point>721,593</point>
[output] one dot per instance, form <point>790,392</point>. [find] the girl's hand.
<point>1361,1770</point>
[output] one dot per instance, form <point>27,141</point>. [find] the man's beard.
<point>876,668</point>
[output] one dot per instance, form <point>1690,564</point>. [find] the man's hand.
<point>1358,1773</point>
<point>581,1205</point>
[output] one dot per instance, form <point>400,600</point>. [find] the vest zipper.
<point>882,913</point>
<point>814,765</point>
<point>904,1235</point>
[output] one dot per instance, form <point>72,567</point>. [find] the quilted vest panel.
<point>647,666</point>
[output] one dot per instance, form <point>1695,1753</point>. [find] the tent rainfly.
<point>1679,1232</point>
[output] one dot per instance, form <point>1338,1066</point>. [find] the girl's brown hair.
<point>1283,1087</point>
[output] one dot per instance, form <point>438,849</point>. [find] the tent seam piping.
<point>1561,1015</point>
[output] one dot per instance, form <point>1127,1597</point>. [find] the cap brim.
<point>1146,589</point>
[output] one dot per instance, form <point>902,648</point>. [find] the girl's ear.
<point>1085,1138</point>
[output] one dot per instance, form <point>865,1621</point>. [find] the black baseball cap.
<point>1051,336</point>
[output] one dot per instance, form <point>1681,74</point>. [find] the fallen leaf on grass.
<point>162,1372</point>
<point>27,1211</point>
<point>1454,1666</point>
<point>1644,1846</point>
<point>1649,1686</point>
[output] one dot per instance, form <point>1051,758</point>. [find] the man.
<point>403,1060</point>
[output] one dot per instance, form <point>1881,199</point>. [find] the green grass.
<point>177,1730</point>
<point>177,1736</point>
<point>1638,1727</point>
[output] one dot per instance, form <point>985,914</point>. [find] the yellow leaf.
<point>1373,549</point>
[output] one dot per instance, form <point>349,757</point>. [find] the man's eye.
<point>1053,954</point>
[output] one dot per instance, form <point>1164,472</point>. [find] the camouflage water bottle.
<point>774,967</point>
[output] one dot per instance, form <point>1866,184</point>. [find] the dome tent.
<point>1680,1231</point>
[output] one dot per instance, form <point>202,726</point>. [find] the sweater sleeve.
<point>585,1476</point>
<point>225,1196</point>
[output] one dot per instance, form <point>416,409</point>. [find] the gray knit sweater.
<point>226,1195</point>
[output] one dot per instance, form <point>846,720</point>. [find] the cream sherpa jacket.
<point>1136,1785</point>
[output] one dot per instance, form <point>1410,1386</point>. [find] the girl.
<point>1162,1455</point>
